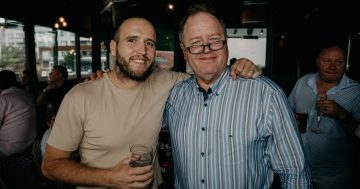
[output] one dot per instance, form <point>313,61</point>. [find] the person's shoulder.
<point>158,72</point>
<point>263,82</point>
<point>184,84</point>
<point>166,77</point>
<point>352,82</point>
<point>166,73</point>
<point>86,87</point>
<point>15,92</point>
<point>18,95</point>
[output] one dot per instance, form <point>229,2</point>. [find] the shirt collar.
<point>344,83</point>
<point>217,87</point>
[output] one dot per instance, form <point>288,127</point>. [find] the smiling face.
<point>134,49</point>
<point>204,28</point>
<point>331,64</point>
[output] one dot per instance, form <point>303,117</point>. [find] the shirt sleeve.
<point>68,131</point>
<point>285,147</point>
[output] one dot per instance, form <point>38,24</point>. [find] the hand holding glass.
<point>320,97</point>
<point>141,155</point>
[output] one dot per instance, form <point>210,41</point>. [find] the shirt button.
<point>202,154</point>
<point>205,104</point>
<point>230,136</point>
<point>203,128</point>
<point>202,181</point>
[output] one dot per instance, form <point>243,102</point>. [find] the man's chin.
<point>140,76</point>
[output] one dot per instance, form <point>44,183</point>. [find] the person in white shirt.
<point>50,116</point>
<point>17,116</point>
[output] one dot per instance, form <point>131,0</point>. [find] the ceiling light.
<point>60,22</point>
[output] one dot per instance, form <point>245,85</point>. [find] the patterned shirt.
<point>236,138</point>
<point>327,147</point>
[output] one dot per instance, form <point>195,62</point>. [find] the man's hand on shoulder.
<point>96,75</point>
<point>244,68</point>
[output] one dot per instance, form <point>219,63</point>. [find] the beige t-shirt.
<point>103,121</point>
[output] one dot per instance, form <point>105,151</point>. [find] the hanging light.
<point>171,6</point>
<point>60,22</point>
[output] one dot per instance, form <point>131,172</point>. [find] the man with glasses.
<point>332,120</point>
<point>228,133</point>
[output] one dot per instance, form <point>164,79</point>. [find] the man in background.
<point>52,95</point>
<point>17,116</point>
<point>331,101</point>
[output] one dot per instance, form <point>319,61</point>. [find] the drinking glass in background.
<point>301,119</point>
<point>141,155</point>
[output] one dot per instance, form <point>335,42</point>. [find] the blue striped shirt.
<point>237,138</point>
<point>329,151</point>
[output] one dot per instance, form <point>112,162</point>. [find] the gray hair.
<point>194,9</point>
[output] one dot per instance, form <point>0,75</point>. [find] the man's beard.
<point>125,70</point>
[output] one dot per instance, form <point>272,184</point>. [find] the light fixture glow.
<point>61,19</point>
<point>61,22</point>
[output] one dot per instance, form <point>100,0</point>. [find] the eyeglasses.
<point>213,46</point>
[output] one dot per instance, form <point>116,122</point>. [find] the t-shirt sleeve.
<point>67,131</point>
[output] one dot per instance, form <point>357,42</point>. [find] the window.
<point>66,51</point>
<point>104,53</point>
<point>44,49</point>
<point>249,43</point>
<point>165,49</point>
<point>85,56</point>
<point>12,45</point>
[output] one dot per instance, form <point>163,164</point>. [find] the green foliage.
<point>69,59</point>
<point>12,57</point>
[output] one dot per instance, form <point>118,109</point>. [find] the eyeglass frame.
<point>224,42</point>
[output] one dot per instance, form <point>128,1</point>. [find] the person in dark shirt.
<point>30,83</point>
<point>53,94</point>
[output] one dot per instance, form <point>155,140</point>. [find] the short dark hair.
<point>7,79</point>
<point>197,8</point>
<point>116,36</point>
<point>63,71</point>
